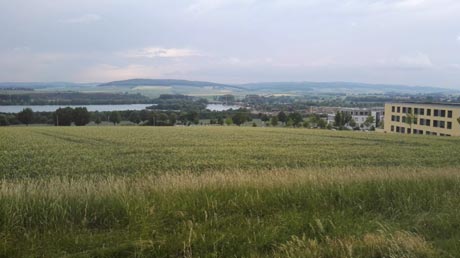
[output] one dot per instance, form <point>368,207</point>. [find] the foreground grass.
<point>207,194</point>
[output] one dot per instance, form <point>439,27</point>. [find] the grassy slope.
<point>226,192</point>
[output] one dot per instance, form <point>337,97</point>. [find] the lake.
<point>52,108</point>
<point>221,107</point>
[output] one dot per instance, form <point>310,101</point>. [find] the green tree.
<point>220,120</point>
<point>369,121</point>
<point>4,120</point>
<point>274,121</point>
<point>321,123</point>
<point>81,116</point>
<point>265,118</point>
<point>296,118</point>
<point>134,117</point>
<point>282,117</point>
<point>26,116</point>
<point>306,124</point>
<point>240,118</point>
<point>115,117</point>
<point>228,121</point>
<point>289,122</point>
<point>63,116</point>
<point>410,120</point>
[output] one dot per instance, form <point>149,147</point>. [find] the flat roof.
<point>425,103</point>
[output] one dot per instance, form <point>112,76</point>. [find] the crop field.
<point>226,192</point>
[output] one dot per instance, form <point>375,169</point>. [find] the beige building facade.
<point>428,118</point>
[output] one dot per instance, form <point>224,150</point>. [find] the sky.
<point>412,42</point>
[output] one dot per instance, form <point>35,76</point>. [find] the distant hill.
<point>339,87</point>
<point>165,82</point>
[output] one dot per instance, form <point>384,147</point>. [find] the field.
<point>226,192</point>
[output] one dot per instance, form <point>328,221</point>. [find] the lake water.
<point>92,108</point>
<point>220,107</point>
<point>52,108</point>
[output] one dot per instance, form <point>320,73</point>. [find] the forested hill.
<point>164,82</point>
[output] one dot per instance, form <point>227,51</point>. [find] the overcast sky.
<point>415,42</point>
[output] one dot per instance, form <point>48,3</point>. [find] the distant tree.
<point>265,118</point>
<point>63,116</point>
<point>254,124</point>
<point>282,117</point>
<point>81,116</point>
<point>289,122</point>
<point>321,123</point>
<point>172,119</point>
<point>134,117</point>
<point>306,124</point>
<point>240,118</point>
<point>274,121</point>
<point>369,121</point>
<point>220,120</point>
<point>98,120</point>
<point>410,120</point>
<point>26,116</point>
<point>115,117</point>
<point>352,122</point>
<point>229,121</point>
<point>342,119</point>
<point>162,119</point>
<point>4,120</point>
<point>296,118</point>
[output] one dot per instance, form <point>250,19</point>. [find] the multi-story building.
<point>360,115</point>
<point>422,118</point>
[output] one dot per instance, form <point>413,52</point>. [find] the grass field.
<point>226,192</point>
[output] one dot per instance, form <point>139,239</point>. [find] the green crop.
<point>226,192</point>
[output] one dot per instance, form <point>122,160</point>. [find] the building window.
<point>422,111</point>
<point>436,112</point>
<point>422,121</point>
<point>398,119</point>
<point>393,109</point>
<point>443,113</point>
<point>416,111</point>
<point>449,125</point>
<point>404,110</point>
<point>415,120</point>
<point>420,132</point>
<point>428,122</point>
<point>399,110</point>
<point>435,123</point>
<point>398,129</point>
<point>392,128</point>
<point>442,124</point>
<point>428,112</point>
<point>393,118</point>
<point>427,132</point>
<point>415,131</point>
<point>449,114</point>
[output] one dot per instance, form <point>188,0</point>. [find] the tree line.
<point>81,116</point>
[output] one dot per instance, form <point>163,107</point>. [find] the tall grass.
<point>328,213</point>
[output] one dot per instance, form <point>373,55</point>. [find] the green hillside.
<point>226,192</point>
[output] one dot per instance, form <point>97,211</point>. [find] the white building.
<point>360,115</point>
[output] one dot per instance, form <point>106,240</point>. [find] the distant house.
<point>422,118</point>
